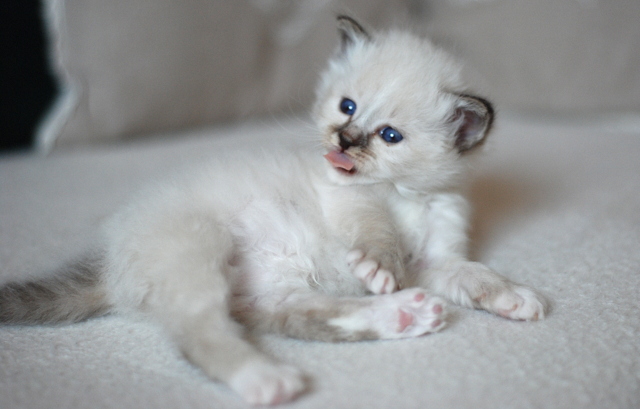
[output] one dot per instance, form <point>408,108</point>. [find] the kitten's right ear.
<point>472,119</point>
<point>351,32</point>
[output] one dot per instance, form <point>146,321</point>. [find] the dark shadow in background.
<point>498,199</point>
<point>26,84</point>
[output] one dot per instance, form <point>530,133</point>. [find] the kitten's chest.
<point>285,242</point>
<point>412,222</point>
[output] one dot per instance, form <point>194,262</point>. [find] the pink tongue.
<point>339,160</point>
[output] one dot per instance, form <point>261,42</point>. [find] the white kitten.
<point>357,245</point>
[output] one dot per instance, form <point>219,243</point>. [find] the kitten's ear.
<point>471,120</point>
<point>351,32</point>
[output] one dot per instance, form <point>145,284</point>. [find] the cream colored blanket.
<point>557,207</point>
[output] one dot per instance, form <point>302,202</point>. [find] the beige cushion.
<point>131,67</point>
<point>559,56</point>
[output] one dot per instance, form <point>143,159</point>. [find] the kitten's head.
<point>392,108</point>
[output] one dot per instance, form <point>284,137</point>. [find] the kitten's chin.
<point>344,177</point>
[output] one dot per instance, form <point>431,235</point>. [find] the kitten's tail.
<point>75,294</point>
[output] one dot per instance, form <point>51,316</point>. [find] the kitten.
<point>358,244</point>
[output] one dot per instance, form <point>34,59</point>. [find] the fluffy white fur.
<point>287,242</point>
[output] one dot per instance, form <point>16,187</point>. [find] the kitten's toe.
<point>383,282</point>
<point>265,383</point>
<point>377,280</point>
<point>354,257</point>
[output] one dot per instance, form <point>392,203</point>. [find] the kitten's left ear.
<point>471,120</point>
<point>351,32</point>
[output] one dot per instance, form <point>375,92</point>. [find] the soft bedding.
<point>557,207</point>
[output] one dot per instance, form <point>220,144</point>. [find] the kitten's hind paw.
<point>405,314</point>
<point>417,314</point>
<point>265,383</point>
<point>378,280</point>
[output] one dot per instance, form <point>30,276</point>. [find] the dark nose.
<point>347,139</point>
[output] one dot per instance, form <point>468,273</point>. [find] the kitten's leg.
<point>310,315</point>
<point>215,343</point>
<point>474,285</point>
<point>470,284</point>
<point>188,295</point>
<point>376,252</point>
<point>377,278</point>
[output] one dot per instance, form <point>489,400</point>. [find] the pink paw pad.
<point>417,313</point>
<point>405,320</point>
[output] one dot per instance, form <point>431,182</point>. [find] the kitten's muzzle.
<point>348,139</point>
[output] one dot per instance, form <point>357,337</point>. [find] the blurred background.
<point>77,72</point>
<point>27,86</point>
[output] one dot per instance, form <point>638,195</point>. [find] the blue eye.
<point>347,106</point>
<point>390,135</point>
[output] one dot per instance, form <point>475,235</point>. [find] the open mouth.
<point>346,172</point>
<point>341,162</point>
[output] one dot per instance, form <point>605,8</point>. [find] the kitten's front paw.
<point>265,383</point>
<point>377,279</point>
<point>519,303</point>
<point>474,285</point>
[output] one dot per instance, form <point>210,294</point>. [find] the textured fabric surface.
<point>131,67</point>
<point>557,207</point>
